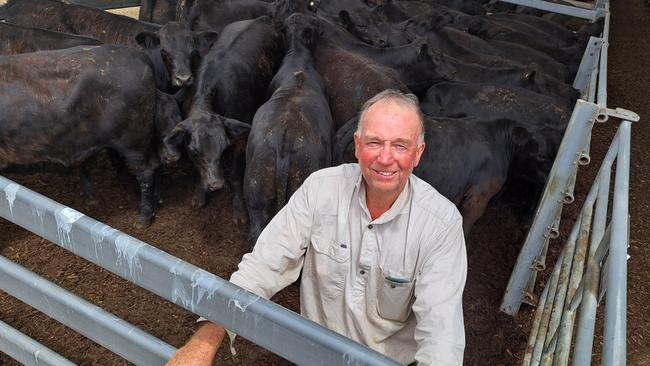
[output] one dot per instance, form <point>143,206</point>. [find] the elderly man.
<point>382,253</point>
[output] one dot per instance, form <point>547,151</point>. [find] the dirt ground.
<point>208,239</point>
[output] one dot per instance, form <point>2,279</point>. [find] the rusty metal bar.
<point>574,139</point>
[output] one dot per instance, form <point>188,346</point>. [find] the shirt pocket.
<point>329,263</point>
<point>394,298</point>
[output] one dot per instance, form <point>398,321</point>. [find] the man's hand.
<point>201,348</point>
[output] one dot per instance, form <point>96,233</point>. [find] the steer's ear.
<point>423,50</point>
<point>519,135</point>
<point>235,128</point>
<point>147,40</point>
<point>205,40</point>
<point>344,18</point>
<point>176,136</point>
<point>529,76</point>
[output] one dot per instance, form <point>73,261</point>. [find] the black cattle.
<point>332,8</point>
<point>216,14</point>
<point>171,48</point>
<point>168,116</point>
<point>452,99</point>
<point>469,48</point>
<point>64,106</point>
<point>157,11</point>
<point>469,160</point>
<point>291,135</point>
<point>231,85</point>
<point>521,76</point>
<point>15,39</point>
<point>417,64</point>
<point>351,79</point>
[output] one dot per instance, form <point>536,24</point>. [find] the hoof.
<point>238,218</point>
<point>90,203</point>
<point>144,222</point>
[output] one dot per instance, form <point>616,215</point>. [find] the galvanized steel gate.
<point>594,254</point>
<point>594,257</point>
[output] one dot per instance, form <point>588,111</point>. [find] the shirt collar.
<point>400,206</point>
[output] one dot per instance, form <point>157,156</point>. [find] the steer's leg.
<point>86,187</point>
<point>475,201</point>
<point>144,169</point>
<point>236,178</point>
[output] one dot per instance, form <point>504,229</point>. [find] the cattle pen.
<point>286,334</point>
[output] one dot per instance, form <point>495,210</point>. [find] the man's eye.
<point>372,143</point>
<point>400,148</point>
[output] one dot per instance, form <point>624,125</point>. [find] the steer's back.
<point>61,106</point>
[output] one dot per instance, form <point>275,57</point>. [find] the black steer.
<point>15,39</point>
<point>171,48</point>
<point>291,135</point>
<point>64,106</point>
<point>232,83</point>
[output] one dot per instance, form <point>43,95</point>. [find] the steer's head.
<point>179,48</point>
<point>205,136</point>
<point>168,116</point>
<point>281,9</point>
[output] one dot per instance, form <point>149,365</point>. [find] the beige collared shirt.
<point>394,283</point>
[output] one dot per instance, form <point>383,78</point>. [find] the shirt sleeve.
<point>279,252</point>
<point>439,331</point>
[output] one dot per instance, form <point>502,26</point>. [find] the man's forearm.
<point>201,348</point>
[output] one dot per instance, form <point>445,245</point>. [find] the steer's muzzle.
<point>182,79</point>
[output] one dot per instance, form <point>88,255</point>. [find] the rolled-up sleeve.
<point>439,332</point>
<point>279,252</point>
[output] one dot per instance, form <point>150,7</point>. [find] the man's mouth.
<point>385,173</point>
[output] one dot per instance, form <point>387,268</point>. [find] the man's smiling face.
<point>387,147</point>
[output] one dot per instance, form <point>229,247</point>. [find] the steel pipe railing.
<point>602,71</point>
<point>578,12</point>
<point>108,4</point>
<point>92,321</point>
<point>26,350</point>
<point>575,279</point>
<point>580,124</point>
<point>259,320</point>
<point>614,347</point>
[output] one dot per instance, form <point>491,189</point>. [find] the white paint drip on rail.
<point>127,249</point>
<point>178,290</point>
<point>37,212</point>
<point>99,232</point>
<point>237,305</point>
<point>65,217</point>
<point>10,194</point>
<point>205,281</point>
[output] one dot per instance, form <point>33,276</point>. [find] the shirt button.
<point>362,272</point>
<point>370,226</point>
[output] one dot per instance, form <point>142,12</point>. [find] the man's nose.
<point>386,154</point>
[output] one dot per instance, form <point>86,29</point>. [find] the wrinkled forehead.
<point>391,114</point>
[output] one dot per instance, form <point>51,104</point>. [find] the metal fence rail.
<point>108,4</point>
<point>26,350</point>
<point>577,9</point>
<point>593,258</point>
<point>259,320</point>
<point>577,274</point>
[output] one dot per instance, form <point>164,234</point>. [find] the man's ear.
<point>418,154</point>
<point>147,40</point>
